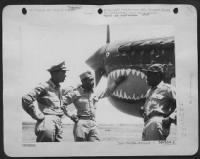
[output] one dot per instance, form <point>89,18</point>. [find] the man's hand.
<point>167,122</point>
<point>40,116</point>
<point>120,79</point>
<point>74,118</point>
<point>35,113</point>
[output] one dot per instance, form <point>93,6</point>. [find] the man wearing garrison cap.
<point>160,105</point>
<point>49,112</point>
<point>85,127</point>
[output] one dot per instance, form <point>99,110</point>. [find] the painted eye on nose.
<point>123,54</point>
<point>107,54</point>
<point>133,53</point>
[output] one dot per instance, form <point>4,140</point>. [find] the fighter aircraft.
<point>130,58</point>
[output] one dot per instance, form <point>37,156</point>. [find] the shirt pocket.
<point>54,101</point>
<point>156,99</point>
<point>157,96</point>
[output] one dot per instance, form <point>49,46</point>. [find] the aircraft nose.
<point>125,48</point>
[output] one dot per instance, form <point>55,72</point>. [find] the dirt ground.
<point>108,132</point>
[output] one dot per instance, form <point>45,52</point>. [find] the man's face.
<point>88,83</point>
<point>60,75</point>
<point>153,78</point>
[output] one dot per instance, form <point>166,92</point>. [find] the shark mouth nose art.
<point>132,75</point>
<point>130,58</point>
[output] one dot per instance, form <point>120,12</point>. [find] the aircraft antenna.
<point>108,35</point>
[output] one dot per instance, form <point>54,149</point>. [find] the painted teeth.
<point>120,72</point>
<point>137,98</point>
<point>133,72</point>
<point>142,75</point>
<point>129,97</point>
<point>133,97</point>
<point>114,74</point>
<point>123,72</point>
<point>123,95</point>
<point>128,71</point>
<point>120,93</point>
<point>117,93</point>
<point>142,96</point>
<point>137,73</point>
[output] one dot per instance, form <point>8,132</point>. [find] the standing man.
<point>160,105</point>
<point>49,98</point>
<point>85,127</point>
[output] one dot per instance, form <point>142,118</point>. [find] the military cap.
<point>59,67</point>
<point>85,75</point>
<point>156,68</point>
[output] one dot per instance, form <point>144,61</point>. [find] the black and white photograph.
<point>108,78</point>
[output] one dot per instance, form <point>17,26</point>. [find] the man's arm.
<point>70,114</point>
<point>28,103</point>
<point>69,97</point>
<point>172,116</point>
<point>173,112</point>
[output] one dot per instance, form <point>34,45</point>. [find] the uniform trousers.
<point>154,129</point>
<point>85,130</point>
<point>50,129</point>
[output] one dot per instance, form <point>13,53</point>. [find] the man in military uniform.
<point>160,105</point>
<point>49,98</point>
<point>85,128</point>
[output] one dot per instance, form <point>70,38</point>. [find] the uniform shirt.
<point>48,96</point>
<point>160,99</point>
<point>84,101</point>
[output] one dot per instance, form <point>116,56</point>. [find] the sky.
<point>35,41</point>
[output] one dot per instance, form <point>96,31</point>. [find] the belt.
<point>153,114</point>
<point>55,111</point>
<point>58,115</point>
<point>85,117</point>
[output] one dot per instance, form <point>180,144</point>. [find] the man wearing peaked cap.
<point>60,66</point>
<point>84,99</point>
<point>160,105</point>
<point>48,96</point>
